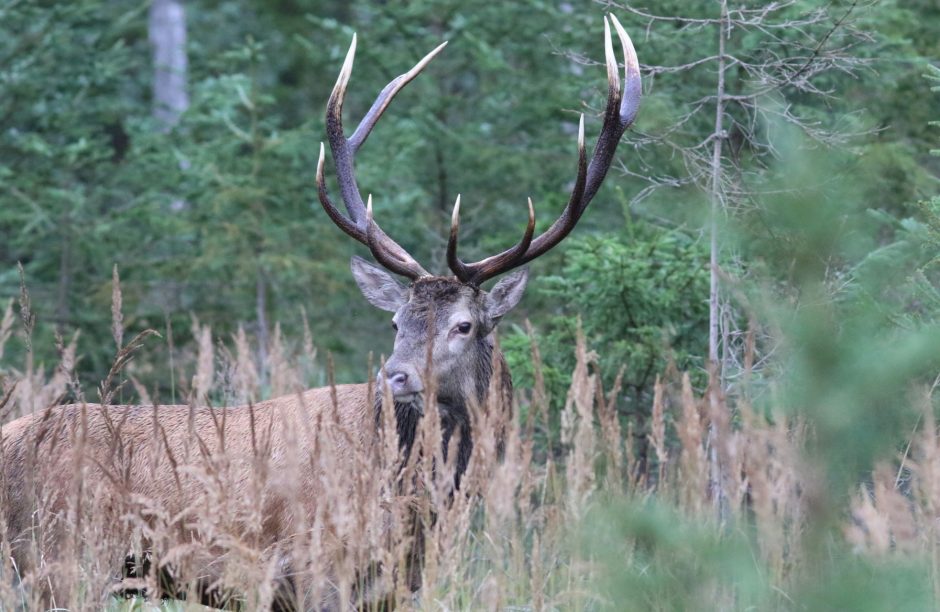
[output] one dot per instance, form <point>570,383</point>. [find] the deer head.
<point>444,324</point>
<point>442,330</point>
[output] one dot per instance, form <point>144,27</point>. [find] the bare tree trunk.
<point>715,366</point>
<point>167,29</point>
<point>717,201</point>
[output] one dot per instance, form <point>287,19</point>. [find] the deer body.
<point>178,460</point>
<point>307,462</point>
<point>162,459</point>
<point>131,442</point>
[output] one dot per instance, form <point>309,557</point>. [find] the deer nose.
<point>398,380</point>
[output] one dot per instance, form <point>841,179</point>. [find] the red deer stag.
<point>143,462</point>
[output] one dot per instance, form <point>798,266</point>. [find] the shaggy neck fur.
<point>453,409</point>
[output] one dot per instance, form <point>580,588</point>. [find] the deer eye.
<point>394,325</point>
<point>464,328</point>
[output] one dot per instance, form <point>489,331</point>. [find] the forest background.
<point>205,198</point>
<point>771,224</point>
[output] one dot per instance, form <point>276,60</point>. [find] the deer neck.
<point>454,403</point>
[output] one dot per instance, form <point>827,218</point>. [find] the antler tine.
<point>632,90</point>
<point>509,256</point>
<point>405,267</point>
<point>478,272</point>
<point>619,114</point>
<point>458,267</point>
<point>339,146</point>
<point>385,98</point>
<point>359,223</point>
<point>613,81</point>
<point>344,224</point>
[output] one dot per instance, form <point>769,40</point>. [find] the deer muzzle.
<point>404,383</point>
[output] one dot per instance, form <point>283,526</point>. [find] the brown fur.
<point>141,456</point>
<point>123,449</point>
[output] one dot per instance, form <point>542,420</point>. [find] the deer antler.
<point>359,224</point>
<point>620,112</point>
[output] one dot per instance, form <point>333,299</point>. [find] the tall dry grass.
<point>584,524</point>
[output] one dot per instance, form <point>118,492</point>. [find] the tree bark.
<point>715,369</point>
<point>717,201</point>
<point>167,31</point>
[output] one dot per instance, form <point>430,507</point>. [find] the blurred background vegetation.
<point>209,210</point>
<point>772,224</point>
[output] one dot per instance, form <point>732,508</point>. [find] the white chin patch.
<point>406,399</point>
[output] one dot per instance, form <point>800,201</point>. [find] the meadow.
<point>734,507</point>
<point>725,380</point>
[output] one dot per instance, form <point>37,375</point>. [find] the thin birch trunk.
<point>717,201</point>
<point>167,31</point>
<point>714,298</point>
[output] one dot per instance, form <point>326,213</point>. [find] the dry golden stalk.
<point>578,429</point>
<point>537,579</point>
<point>6,325</point>
<point>692,466</point>
<point>868,531</point>
<point>117,317</point>
<point>657,433</point>
<point>245,378</point>
<point>284,379</point>
<point>611,432</point>
<point>205,364</point>
<point>895,508</point>
<point>540,399</point>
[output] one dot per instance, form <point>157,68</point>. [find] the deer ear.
<point>378,286</point>
<point>504,296</point>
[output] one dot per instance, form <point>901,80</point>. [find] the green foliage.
<point>652,558</point>
<point>857,321</point>
<point>67,80</point>
<point>219,217</point>
<point>200,218</point>
<point>645,290</point>
<point>649,557</point>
